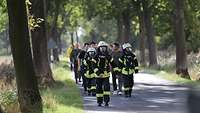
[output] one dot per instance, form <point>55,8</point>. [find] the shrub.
<point>8,101</point>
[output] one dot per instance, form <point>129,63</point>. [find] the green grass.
<point>168,76</point>
<point>64,96</point>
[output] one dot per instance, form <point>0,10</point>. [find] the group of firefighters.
<point>94,62</point>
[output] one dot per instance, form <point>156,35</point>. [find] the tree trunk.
<point>60,43</point>
<point>150,34</point>
<point>119,28</point>
<point>54,32</point>
<point>142,36</point>
<point>77,38</point>
<point>127,25</point>
<point>93,36</point>
<point>1,111</point>
<point>39,43</point>
<point>56,54</point>
<point>56,50</point>
<point>72,39</point>
<point>54,35</point>
<point>181,55</point>
<point>28,92</point>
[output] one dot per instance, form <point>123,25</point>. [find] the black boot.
<point>126,94</point>
<point>106,104</point>
<point>129,93</point>
<point>93,94</point>
<point>99,104</point>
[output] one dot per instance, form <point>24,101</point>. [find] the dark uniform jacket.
<point>89,64</point>
<point>116,63</point>
<point>128,64</point>
<point>103,65</point>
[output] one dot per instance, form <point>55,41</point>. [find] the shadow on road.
<point>147,98</point>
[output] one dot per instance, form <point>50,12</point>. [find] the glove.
<point>98,73</point>
<point>91,71</point>
<point>126,69</point>
<point>136,71</point>
<point>101,75</point>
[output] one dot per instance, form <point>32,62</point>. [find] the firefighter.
<point>116,72</point>
<point>68,54</point>
<point>74,60</point>
<point>129,66</point>
<point>90,64</point>
<point>93,44</point>
<point>103,72</point>
<point>81,69</point>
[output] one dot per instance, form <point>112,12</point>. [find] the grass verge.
<point>64,96</point>
<point>168,76</point>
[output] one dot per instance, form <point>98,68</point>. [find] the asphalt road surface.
<point>150,95</point>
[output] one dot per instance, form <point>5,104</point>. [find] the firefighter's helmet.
<point>91,49</point>
<point>102,43</point>
<point>126,45</point>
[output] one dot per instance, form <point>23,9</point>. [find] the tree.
<point>192,24</point>
<point>181,55</point>
<point>54,32</point>
<point>59,14</point>
<point>1,111</point>
<point>28,92</point>
<point>150,32</point>
<point>119,28</point>
<point>72,39</point>
<point>117,13</point>
<point>142,35</point>
<point>127,24</point>
<point>39,43</point>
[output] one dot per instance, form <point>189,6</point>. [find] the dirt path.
<point>150,95</point>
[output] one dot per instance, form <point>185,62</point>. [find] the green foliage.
<point>33,22</point>
<point>192,16</point>
<point>163,12</point>
<point>64,96</point>
<point>4,42</point>
<point>166,41</point>
<point>168,76</point>
<point>103,29</point>
<point>3,16</point>
<point>8,98</point>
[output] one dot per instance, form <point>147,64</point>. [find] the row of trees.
<point>27,86</point>
<point>32,23</point>
<point>147,16</point>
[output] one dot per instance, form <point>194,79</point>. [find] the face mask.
<point>91,53</point>
<point>128,50</point>
<point>103,49</point>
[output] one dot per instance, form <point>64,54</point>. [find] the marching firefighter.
<point>81,66</point>
<point>74,60</point>
<point>102,74</point>
<point>129,66</point>
<point>90,64</point>
<point>116,72</point>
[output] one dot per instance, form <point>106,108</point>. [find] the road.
<point>150,95</point>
